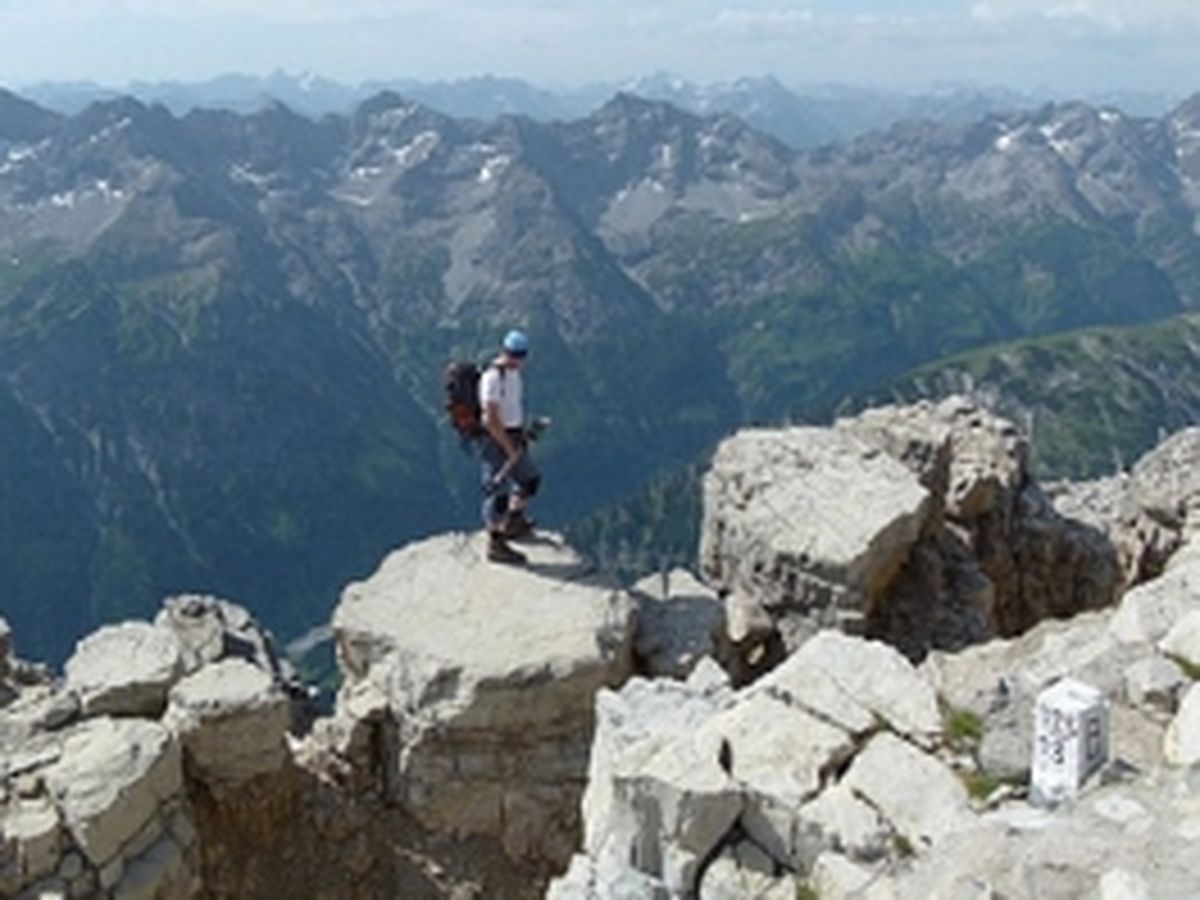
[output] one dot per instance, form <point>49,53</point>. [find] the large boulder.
<point>857,684</point>
<point>918,794</point>
<point>115,778</point>
<point>231,719</point>
<point>124,670</point>
<point>698,787</point>
<point>1002,559</point>
<point>1166,482</point>
<point>1148,513</point>
<point>919,525</point>
<point>31,842</point>
<point>633,725</point>
<point>804,528</point>
<point>489,674</point>
<point>1150,610</point>
<point>208,629</point>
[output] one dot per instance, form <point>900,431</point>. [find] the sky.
<point>1065,46</point>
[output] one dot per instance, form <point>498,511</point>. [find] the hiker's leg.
<point>495,497</point>
<point>528,479</point>
<point>495,505</point>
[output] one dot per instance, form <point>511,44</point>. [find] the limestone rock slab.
<point>1183,640</point>
<point>490,674</point>
<point>585,880</point>
<point>807,522</point>
<point>1149,611</point>
<point>1155,683</point>
<point>855,682</point>
<point>847,822</point>
<point>917,794</point>
<point>231,719</point>
<point>632,726</point>
<point>1166,481</point>
<point>124,669</point>
<point>1182,742</point>
<point>208,629</point>
<point>111,780</point>
<point>34,830</point>
<point>835,876</point>
<point>743,871</point>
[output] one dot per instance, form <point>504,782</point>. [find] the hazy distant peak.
<point>1188,112</point>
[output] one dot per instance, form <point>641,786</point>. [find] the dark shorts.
<point>521,480</point>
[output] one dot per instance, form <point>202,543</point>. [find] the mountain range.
<point>802,116</point>
<point>221,333</point>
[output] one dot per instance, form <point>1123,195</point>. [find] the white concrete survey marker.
<point>1070,740</point>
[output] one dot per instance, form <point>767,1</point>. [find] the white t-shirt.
<point>503,388</point>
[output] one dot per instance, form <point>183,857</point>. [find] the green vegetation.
<point>1189,668</point>
<point>902,846</point>
<point>964,729</point>
<point>980,785</point>
<point>654,530</point>
<point>1096,399</point>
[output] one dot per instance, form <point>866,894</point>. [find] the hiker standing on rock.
<point>510,478</point>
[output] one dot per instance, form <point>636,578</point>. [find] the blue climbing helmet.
<point>516,343</point>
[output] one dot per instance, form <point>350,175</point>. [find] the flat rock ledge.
<point>125,669</point>
<point>484,676</point>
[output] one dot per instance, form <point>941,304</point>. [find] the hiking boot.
<point>500,552</point>
<point>517,525</point>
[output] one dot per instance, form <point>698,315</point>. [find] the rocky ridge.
<point>710,738</point>
<point>921,526</point>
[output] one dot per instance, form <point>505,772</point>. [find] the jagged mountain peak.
<point>384,103</point>
<point>21,120</point>
<point>117,108</point>
<point>628,105</point>
<point>1187,113</point>
<point>390,111</point>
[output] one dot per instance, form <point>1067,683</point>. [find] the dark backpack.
<point>461,384</point>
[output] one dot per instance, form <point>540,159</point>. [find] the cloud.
<point>290,12</point>
<point>896,42</point>
<point>1111,15</point>
<point>768,24</point>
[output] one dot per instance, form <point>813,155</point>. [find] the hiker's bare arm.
<point>495,427</point>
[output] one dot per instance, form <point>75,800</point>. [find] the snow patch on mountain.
<point>1064,147</point>
<point>1008,140</point>
<point>109,130</point>
<point>417,151</point>
<point>493,168</point>
<point>20,155</point>
<point>366,173</point>
<point>243,174</point>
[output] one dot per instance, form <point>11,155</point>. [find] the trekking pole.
<point>501,476</point>
<point>536,428</point>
